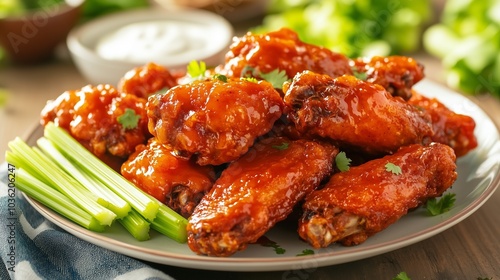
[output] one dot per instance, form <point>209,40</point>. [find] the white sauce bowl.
<point>106,48</point>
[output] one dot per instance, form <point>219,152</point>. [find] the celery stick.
<point>35,160</point>
<point>171,224</point>
<point>136,225</point>
<point>71,148</point>
<point>55,200</point>
<point>114,202</point>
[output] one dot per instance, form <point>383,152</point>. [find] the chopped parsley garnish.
<point>306,252</point>
<point>394,169</point>
<point>250,79</point>
<point>277,248</point>
<point>436,207</point>
<point>360,75</point>
<point>282,147</point>
<point>401,276</point>
<point>220,77</point>
<point>275,77</point>
<point>129,119</point>
<point>343,162</point>
<point>196,70</point>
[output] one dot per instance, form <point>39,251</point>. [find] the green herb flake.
<point>401,276</point>
<point>129,119</point>
<point>250,79</point>
<point>196,70</point>
<point>394,169</point>
<point>220,77</point>
<point>360,75</point>
<point>277,248</point>
<point>282,147</point>
<point>435,207</point>
<point>343,162</point>
<point>276,78</point>
<point>306,252</point>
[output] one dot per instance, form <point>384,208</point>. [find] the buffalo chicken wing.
<point>255,192</point>
<point>354,113</point>
<point>368,198</point>
<point>175,181</point>
<point>215,121</point>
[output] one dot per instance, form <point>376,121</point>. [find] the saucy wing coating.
<point>397,74</point>
<point>354,113</point>
<point>214,120</point>
<point>358,203</point>
<point>283,50</point>
<point>255,192</point>
<point>177,182</point>
<point>93,116</point>
<point>146,80</point>
<point>455,130</point>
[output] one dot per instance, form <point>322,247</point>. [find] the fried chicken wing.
<point>281,50</point>
<point>177,182</point>
<point>146,80</point>
<point>255,192</point>
<point>358,203</point>
<point>92,116</point>
<point>455,130</point>
<point>397,74</point>
<point>354,113</point>
<point>214,120</point>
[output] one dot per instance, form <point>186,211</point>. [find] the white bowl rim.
<point>100,26</point>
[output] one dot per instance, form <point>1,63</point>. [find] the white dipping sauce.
<point>157,41</point>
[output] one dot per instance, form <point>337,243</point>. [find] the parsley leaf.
<point>277,248</point>
<point>360,75</point>
<point>196,70</point>
<point>343,162</point>
<point>129,119</point>
<point>436,207</point>
<point>275,77</point>
<point>401,276</point>
<point>306,252</point>
<point>220,77</point>
<point>391,167</point>
<point>250,79</point>
<point>282,147</point>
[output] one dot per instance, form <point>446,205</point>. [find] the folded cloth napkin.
<point>32,247</point>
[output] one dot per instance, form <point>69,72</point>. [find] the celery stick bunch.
<point>64,176</point>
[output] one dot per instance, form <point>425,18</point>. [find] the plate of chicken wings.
<point>286,156</point>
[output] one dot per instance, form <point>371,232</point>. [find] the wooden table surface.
<point>468,250</point>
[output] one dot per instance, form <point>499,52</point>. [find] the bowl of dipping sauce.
<point>106,48</point>
<point>30,34</point>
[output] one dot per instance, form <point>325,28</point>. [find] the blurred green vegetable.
<point>467,40</point>
<point>353,27</point>
<point>19,7</point>
<point>95,8</point>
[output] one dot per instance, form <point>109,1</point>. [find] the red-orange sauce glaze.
<point>281,50</point>
<point>356,204</point>
<point>397,74</point>
<point>177,182</point>
<point>450,128</point>
<point>255,192</point>
<point>214,120</point>
<point>354,113</point>
<point>91,117</point>
<point>146,80</point>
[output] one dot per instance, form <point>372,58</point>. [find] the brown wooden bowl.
<point>32,37</point>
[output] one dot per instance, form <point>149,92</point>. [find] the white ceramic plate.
<point>478,178</point>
